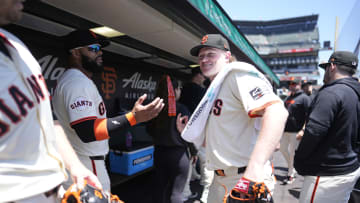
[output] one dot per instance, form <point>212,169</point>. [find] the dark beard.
<point>91,65</point>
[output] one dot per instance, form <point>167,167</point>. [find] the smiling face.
<point>211,61</point>
<point>10,11</point>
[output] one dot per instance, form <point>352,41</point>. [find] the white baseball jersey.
<point>29,162</point>
<point>232,128</point>
<point>77,99</point>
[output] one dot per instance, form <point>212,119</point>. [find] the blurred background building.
<point>290,47</point>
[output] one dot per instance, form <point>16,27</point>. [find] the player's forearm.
<point>64,147</point>
<point>120,123</point>
<point>77,170</point>
<point>103,128</point>
<point>272,128</point>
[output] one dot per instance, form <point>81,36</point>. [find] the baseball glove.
<point>246,191</point>
<point>88,194</point>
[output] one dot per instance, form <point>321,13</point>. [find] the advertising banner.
<point>119,85</point>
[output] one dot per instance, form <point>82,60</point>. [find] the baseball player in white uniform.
<point>245,124</point>
<point>31,168</point>
<point>81,110</point>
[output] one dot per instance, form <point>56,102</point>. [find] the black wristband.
<point>116,124</point>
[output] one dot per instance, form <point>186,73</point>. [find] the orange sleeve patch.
<point>100,129</point>
<point>258,112</point>
<point>131,118</point>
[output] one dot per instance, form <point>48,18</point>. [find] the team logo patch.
<point>81,104</point>
<point>204,39</point>
<point>256,93</point>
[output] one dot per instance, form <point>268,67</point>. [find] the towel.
<point>193,131</point>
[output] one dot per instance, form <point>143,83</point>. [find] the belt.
<point>220,172</point>
<point>52,191</point>
<point>97,157</point>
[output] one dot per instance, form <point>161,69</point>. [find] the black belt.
<point>52,191</point>
<point>220,172</point>
<point>97,157</point>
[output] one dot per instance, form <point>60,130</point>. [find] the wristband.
<point>131,118</point>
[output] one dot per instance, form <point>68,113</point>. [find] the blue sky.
<point>265,10</point>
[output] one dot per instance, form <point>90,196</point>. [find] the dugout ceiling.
<point>149,35</point>
<point>157,32</point>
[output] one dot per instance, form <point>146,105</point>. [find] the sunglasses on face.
<point>94,48</point>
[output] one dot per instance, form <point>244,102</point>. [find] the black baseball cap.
<point>345,58</point>
<point>211,40</point>
<point>195,70</point>
<point>306,83</point>
<point>81,38</point>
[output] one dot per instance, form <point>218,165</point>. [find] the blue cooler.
<point>131,162</point>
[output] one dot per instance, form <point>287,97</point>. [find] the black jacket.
<point>327,147</point>
<point>298,106</point>
<point>165,134</point>
<point>191,95</point>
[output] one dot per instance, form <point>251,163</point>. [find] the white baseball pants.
<point>288,145</point>
<point>328,189</point>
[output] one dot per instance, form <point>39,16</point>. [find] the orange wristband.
<point>131,118</point>
<point>100,129</point>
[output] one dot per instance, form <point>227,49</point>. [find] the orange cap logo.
<point>204,39</point>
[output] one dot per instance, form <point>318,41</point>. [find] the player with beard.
<point>92,65</point>
<point>81,110</point>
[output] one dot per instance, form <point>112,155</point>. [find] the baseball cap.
<point>211,40</point>
<point>195,70</point>
<point>294,82</point>
<point>80,38</point>
<point>306,83</point>
<point>345,58</point>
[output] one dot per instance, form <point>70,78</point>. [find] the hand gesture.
<point>79,173</point>
<point>144,113</point>
<point>181,122</point>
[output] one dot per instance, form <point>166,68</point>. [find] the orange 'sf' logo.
<point>204,39</point>
<point>109,81</point>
